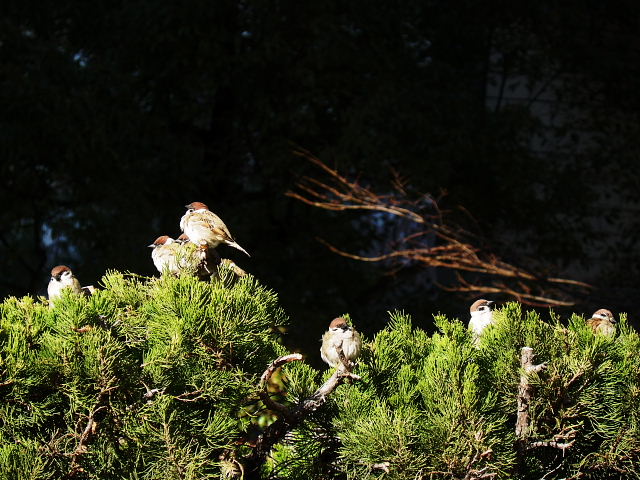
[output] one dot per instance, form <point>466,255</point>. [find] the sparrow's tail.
<point>235,245</point>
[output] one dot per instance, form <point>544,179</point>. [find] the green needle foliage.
<point>440,407</point>
<point>145,379</point>
<point>159,379</point>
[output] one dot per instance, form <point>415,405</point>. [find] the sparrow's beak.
<point>152,245</point>
<point>187,206</point>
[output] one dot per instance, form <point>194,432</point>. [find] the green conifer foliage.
<point>440,407</point>
<point>161,378</point>
<point>145,379</point>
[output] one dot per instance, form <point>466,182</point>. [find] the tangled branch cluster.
<point>477,269</point>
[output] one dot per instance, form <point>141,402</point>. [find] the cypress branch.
<point>291,418</point>
<point>162,378</point>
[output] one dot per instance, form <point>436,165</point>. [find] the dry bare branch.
<point>264,380</point>
<point>562,440</point>
<point>277,363</point>
<point>292,417</point>
<point>455,247</point>
<point>525,390</point>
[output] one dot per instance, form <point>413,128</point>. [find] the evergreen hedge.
<point>160,379</point>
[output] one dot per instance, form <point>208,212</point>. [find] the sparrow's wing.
<point>216,225</point>
<point>76,287</point>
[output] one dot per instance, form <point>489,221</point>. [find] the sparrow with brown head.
<point>165,254</point>
<point>61,278</point>
<point>201,224</point>
<point>602,322</point>
<point>481,316</point>
<point>184,257</point>
<point>340,333</point>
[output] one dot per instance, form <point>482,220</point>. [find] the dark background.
<point>115,116</point>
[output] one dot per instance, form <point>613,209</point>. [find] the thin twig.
<point>456,248</point>
<point>277,363</point>
<point>552,444</point>
<point>525,390</point>
<point>291,417</point>
<point>264,380</point>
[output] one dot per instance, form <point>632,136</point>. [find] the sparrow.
<point>200,223</point>
<point>182,238</point>
<point>205,259</point>
<point>165,254</point>
<point>340,333</point>
<point>234,268</point>
<point>602,322</point>
<point>61,278</point>
<point>481,316</point>
<point>183,256</point>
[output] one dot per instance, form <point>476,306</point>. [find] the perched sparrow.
<point>61,278</point>
<point>234,268</point>
<point>602,322</point>
<point>199,223</point>
<point>206,259</point>
<point>165,254</point>
<point>481,316</point>
<point>182,256</point>
<point>182,238</point>
<point>340,333</point>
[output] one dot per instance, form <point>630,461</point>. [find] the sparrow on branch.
<point>165,254</point>
<point>340,334</point>
<point>481,316</point>
<point>602,322</point>
<point>62,277</point>
<point>200,223</point>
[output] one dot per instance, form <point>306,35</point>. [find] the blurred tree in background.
<point>114,116</point>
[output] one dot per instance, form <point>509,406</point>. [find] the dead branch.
<point>193,396</point>
<point>477,474</point>
<point>91,427</point>
<point>87,434</point>
<point>292,417</point>
<point>553,444</point>
<point>454,248</point>
<point>561,441</point>
<point>551,472</point>
<point>525,390</point>
<point>264,380</point>
<point>384,466</point>
<point>277,363</point>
